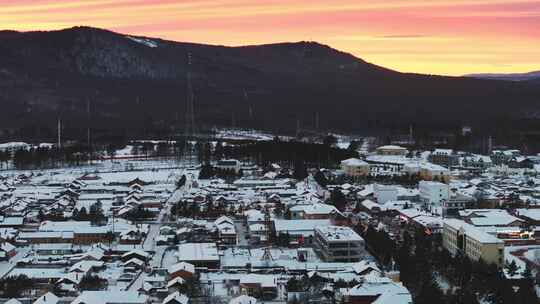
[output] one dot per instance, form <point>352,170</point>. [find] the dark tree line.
<point>93,282</point>
<point>139,213</point>
<point>208,171</point>
<point>44,157</point>
<point>284,152</point>
<point>15,287</point>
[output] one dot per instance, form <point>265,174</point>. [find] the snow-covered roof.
<point>197,252</point>
<point>338,233</point>
<point>353,162</point>
<point>391,147</point>
<point>182,266</point>
<point>533,214</point>
<point>298,226</point>
<point>176,297</point>
<point>110,297</point>
<point>243,299</point>
<point>48,298</point>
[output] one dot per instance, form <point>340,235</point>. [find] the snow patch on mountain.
<point>144,41</point>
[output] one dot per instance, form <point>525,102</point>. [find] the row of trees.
<point>94,215</point>
<point>195,210</point>
<point>45,157</point>
<point>208,171</point>
<point>287,153</point>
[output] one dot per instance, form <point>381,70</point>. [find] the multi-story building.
<point>433,172</point>
<point>339,244</point>
<point>444,157</point>
<point>475,161</point>
<point>459,236</point>
<point>385,193</point>
<point>433,193</point>
<point>456,202</point>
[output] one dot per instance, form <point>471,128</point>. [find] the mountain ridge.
<point>134,87</point>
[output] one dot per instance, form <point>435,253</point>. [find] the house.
<point>226,230</point>
<point>378,290</point>
<point>365,267</point>
<point>530,216</point>
<point>176,298</point>
<point>70,281</point>
<point>86,266</point>
<point>8,249</point>
<point>259,286</point>
<point>48,298</point>
<point>176,284</point>
<point>134,263</point>
<point>138,254</point>
<point>182,269</point>
<point>316,211</point>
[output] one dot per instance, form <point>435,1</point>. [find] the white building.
<point>229,164</point>
<point>391,150</point>
<point>385,193</point>
<point>433,193</point>
<point>339,244</point>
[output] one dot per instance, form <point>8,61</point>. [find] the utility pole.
<point>59,133</point>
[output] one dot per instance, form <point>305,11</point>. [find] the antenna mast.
<point>189,128</point>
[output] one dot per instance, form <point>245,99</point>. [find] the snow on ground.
<point>126,151</point>
<point>7,266</point>
<point>244,135</point>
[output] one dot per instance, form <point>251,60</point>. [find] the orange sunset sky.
<point>450,37</point>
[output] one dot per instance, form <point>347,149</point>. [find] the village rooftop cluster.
<point>134,231</point>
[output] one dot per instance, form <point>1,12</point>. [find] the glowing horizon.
<point>447,37</point>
